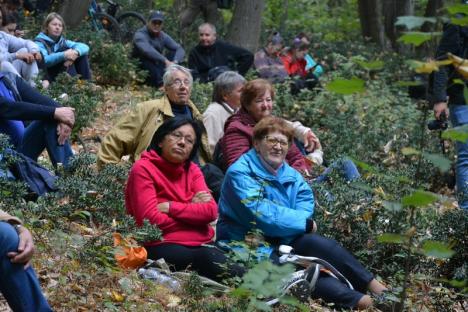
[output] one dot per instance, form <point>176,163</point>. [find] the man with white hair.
<point>133,133</point>
<point>211,57</point>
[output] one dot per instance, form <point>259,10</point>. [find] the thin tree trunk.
<point>284,17</point>
<point>371,20</point>
<point>433,9</point>
<point>391,10</point>
<point>73,11</point>
<point>244,29</point>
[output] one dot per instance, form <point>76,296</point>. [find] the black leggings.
<point>206,260</point>
<point>329,288</point>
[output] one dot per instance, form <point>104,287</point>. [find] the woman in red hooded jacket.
<point>168,189</point>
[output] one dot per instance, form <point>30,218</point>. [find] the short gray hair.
<point>170,70</point>
<point>225,84</point>
<point>209,25</point>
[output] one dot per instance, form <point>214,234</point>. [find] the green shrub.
<point>82,95</point>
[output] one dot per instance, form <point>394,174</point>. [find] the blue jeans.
<point>40,135</point>
<point>156,69</point>
<point>459,117</point>
<point>20,287</point>
<point>345,167</point>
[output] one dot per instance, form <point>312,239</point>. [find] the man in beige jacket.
<point>133,133</point>
<point>18,282</point>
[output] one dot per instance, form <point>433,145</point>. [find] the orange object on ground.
<point>129,255</point>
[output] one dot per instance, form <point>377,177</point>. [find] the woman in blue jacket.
<point>262,192</point>
<point>60,54</point>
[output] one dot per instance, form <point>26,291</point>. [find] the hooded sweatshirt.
<point>154,180</point>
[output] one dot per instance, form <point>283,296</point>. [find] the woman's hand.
<point>37,55</point>
<point>25,248</point>
<point>71,55</point>
<point>164,207</point>
<point>311,142</point>
<point>63,132</point>
<point>65,115</point>
<point>25,56</point>
<point>201,197</point>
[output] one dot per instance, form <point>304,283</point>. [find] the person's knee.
<point>9,239</point>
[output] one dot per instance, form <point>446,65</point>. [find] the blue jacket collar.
<point>256,166</point>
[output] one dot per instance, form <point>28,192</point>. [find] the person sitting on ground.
<point>132,134</point>
<point>59,54</point>
<point>311,64</point>
<point>18,281</point>
<point>267,60</point>
<point>257,101</point>
<point>50,127</point>
<point>283,212</point>
<point>149,43</point>
<point>166,188</point>
<point>211,57</point>
<point>227,90</point>
<point>19,56</point>
<point>10,26</point>
<point>295,64</point>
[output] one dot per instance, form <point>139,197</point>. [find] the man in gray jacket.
<point>149,43</point>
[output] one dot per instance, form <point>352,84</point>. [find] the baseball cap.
<point>156,16</point>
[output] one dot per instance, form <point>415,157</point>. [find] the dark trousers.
<point>79,67</point>
<point>40,135</point>
<point>205,260</point>
<point>329,288</point>
<point>155,68</point>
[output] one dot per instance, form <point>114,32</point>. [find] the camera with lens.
<point>438,124</point>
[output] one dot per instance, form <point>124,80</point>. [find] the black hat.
<point>156,16</point>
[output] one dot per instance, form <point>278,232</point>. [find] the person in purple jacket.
<point>149,43</point>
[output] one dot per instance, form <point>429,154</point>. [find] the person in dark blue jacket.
<point>60,54</point>
<point>448,93</point>
<point>50,125</point>
<point>262,192</point>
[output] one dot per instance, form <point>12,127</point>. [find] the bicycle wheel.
<point>108,24</point>
<point>129,23</point>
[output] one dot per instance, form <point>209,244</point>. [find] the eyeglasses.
<point>177,136</point>
<point>178,83</point>
<point>272,141</point>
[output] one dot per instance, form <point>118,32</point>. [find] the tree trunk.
<point>244,29</point>
<point>284,17</point>
<point>73,11</point>
<point>370,17</point>
<point>433,9</point>
<point>391,10</point>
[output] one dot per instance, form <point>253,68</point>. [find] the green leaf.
<point>409,151</point>
<point>391,238</point>
<point>419,199</point>
<point>392,206</point>
<point>457,8</point>
<point>409,83</point>
<point>346,86</point>
<point>456,134</point>
<point>439,161</point>
<point>371,65</point>
<point>364,166</point>
<point>415,38</point>
<point>460,21</point>
<point>437,250</point>
<point>412,22</point>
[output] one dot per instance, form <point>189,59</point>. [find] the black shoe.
<point>298,286</point>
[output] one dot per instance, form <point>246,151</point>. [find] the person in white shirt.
<point>227,90</point>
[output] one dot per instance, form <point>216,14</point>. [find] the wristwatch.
<point>17,227</point>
